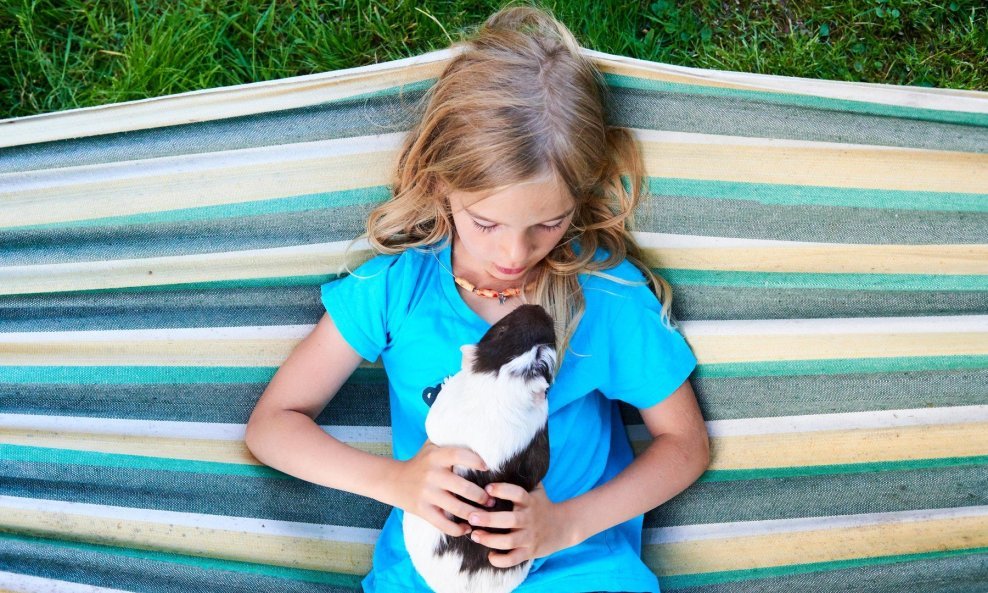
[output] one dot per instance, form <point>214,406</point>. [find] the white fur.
<point>496,417</point>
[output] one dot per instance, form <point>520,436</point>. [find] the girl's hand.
<point>426,486</point>
<point>538,526</point>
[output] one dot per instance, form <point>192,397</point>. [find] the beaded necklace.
<point>490,293</point>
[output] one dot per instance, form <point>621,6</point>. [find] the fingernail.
<point>474,518</point>
<point>490,502</point>
<point>474,536</point>
<point>490,490</point>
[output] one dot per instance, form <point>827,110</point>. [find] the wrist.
<point>574,531</point>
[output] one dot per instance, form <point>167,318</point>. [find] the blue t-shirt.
<point>406,310</point>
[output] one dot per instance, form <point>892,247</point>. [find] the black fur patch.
<point>514,335</point>
<point>525,469</point>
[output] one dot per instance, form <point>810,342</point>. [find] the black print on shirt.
<point>429,394</point>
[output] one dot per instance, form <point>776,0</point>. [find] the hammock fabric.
<point>826,242</point>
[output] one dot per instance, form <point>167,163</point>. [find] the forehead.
<point>535,200</point>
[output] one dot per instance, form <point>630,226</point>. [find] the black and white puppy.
<point>495,406</point>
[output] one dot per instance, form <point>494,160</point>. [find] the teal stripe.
<point>98,375</point>
<point>730,475</point>
<point>856,282</point>
<point>815,102</point>
<point>28,454</point>
<point>302,203</point>
<point>734,576</point>
<point>840,366</point>
<point>298,574</point>
<point>793,195</point>
<point>113,375</point>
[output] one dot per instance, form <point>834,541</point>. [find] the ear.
<point>469,355</point>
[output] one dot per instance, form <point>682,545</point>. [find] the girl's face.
<point>500,238</point>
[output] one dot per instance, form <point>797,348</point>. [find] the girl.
<point>508,190</point>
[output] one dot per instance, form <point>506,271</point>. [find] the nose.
<point>516,249</point>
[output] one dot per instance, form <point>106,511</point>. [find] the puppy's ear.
<point>469,355</point>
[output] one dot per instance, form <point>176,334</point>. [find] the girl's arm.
<point>678,455</point>
<point>283,434</point>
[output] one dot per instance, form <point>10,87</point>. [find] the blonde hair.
<point>520,102</point>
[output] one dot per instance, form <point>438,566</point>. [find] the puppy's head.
<point>521,345</point>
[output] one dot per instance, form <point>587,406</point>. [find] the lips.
<point>509,271</point>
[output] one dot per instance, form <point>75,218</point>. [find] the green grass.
<point>62,54</point>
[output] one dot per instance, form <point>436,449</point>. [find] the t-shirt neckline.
<point>449,288</point>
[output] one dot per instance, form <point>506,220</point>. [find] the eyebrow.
<point>485,219</point>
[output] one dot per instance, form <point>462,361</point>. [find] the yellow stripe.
<point>704,157</point>
<point>823,545</point>
<point>294,552</point>
<point>196,189</point>
<point>722,159</point>
<point>836,258</point>
<point>715,349</point>
<point>838,447</point>
<point>825,447</point>
<point>287,262</point>
<point>220,451</point>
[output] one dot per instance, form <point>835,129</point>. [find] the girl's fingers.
<point>512,558</point>
<point>495,541</point>
<point>511,492</point>
<point>438,519</point>
<point>455,506</point>
<point>502,520</point>
<point>467,489</point>
<point>465,458</point>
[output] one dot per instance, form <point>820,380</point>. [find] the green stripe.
<point>733,576</point>
<point>727,475</point>
<point>90,458</point>
<point>840,366</point>
<point>297,574</point>
<point>856,282</point>
<point>114,375</point>
<point>815,102</point>
<point>792,195</point>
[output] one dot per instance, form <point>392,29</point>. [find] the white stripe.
<point>904,96</point>
<point>315,531</point>
<point>665,240</point>
<point>171,429</point>
<point>846,421</point>
<point>22,583</point>
<point>838,326</point>
<point>285,155</point>
<point>685,533</point>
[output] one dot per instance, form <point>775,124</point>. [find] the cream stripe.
<point>223,102</point>
<point>712,343</point>
<point>905,96</point>
<point>890,538</point>
<point>837,326</point>
<point>22,583</point>
<point>686,533</point>
<point>743,452</point>
<point>309,546</point>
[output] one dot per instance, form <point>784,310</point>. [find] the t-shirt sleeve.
<point>358,304</point>
<point>648,361</point>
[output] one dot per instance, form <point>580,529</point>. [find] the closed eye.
<point>545,227</point>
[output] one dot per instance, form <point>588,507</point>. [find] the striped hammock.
<point>828,247</point>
